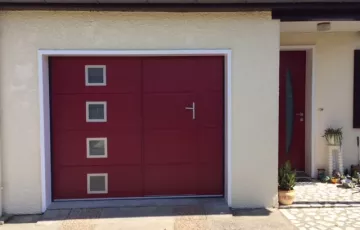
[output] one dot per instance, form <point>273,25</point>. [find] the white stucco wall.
<point>254,84</point>
<point>334,66</point>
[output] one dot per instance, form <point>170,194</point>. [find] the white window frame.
<point>106,183</point>
<point>96,103</point>
<point>96,139</point>
<point>87,83</point>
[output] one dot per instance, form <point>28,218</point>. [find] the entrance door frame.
<point>310,105</point>
<point>44,106</point>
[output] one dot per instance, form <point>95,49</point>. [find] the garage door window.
<point>96,147</point>
<point>97,183</point>
<point>96,111</point>
<point>95,75</point>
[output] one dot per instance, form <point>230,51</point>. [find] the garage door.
<point>135,127</point>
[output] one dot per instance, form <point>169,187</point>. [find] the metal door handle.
<point>300,114</point>
<point>193,108</point>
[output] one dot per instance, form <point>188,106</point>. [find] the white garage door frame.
<point>44,104</point>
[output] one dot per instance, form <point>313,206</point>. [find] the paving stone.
<point>288,215</point>
<point>316,205</point>
<point>217,209</point>
<point>85,213</point>
<point>342,218</point>
<point>24,219</point>
<point>59,214</point>
<point>328,219</point>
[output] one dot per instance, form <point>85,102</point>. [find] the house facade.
<point>169,100</point>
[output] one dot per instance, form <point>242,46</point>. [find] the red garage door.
<point>133,127</point>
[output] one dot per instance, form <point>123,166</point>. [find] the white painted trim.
<point>313,114</point>
<point>133,52</point>
<point>311,48</point>
<point>295,48</point>
<point>96,103</point>
<point>45,153</point>
<point>228,125</point>
<point>104,139</point>
<point>97,174</point>
<point>42,130</point>
<point>87,83</point>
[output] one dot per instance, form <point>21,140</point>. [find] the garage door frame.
<point>44,105</point>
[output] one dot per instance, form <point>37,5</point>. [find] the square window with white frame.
<point>95,75</point>
<point>97,183</point>
<point>96,111</point>
<point>96,147</point>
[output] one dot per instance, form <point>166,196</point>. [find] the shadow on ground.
<point>199,214</point>
<point>139,208</point>
<point>251,212</point>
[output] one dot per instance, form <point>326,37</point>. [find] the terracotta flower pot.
<point>286,197</point>
<point>334,180</point>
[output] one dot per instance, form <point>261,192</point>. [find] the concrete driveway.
<point>201,214</point>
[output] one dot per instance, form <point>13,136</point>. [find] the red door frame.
<point>224,120</point>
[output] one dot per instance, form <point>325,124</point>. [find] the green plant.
<point>324,179</point>
<point>327,179</point>
<point>355,174</point>
<point>333,136</point>
<point>286,177</point>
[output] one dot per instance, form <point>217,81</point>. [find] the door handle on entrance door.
<point>193,108</point>
<point>301,115</point>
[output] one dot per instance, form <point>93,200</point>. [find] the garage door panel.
<point>121,148</point>
<point>210,109</point>
<point>154,145</point>
<point>122,111</point>
<point>168,180</point>
<point>167,111</point>
<point>123,75</point>
<point>168,74</point>
<point>164,153</point>
<point>209,72</point>
<point>210,179</point>
<point>211,152</point>
<point>71,182</point>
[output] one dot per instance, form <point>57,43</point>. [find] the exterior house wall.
<point>254,86</point>
<point>334,66</point>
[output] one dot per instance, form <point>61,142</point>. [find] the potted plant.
<point>334,180</point>
<point>286,180</point>
<point>336,175</point>
<point>333,136</point>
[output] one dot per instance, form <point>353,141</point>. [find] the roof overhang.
<point>284,10</point>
